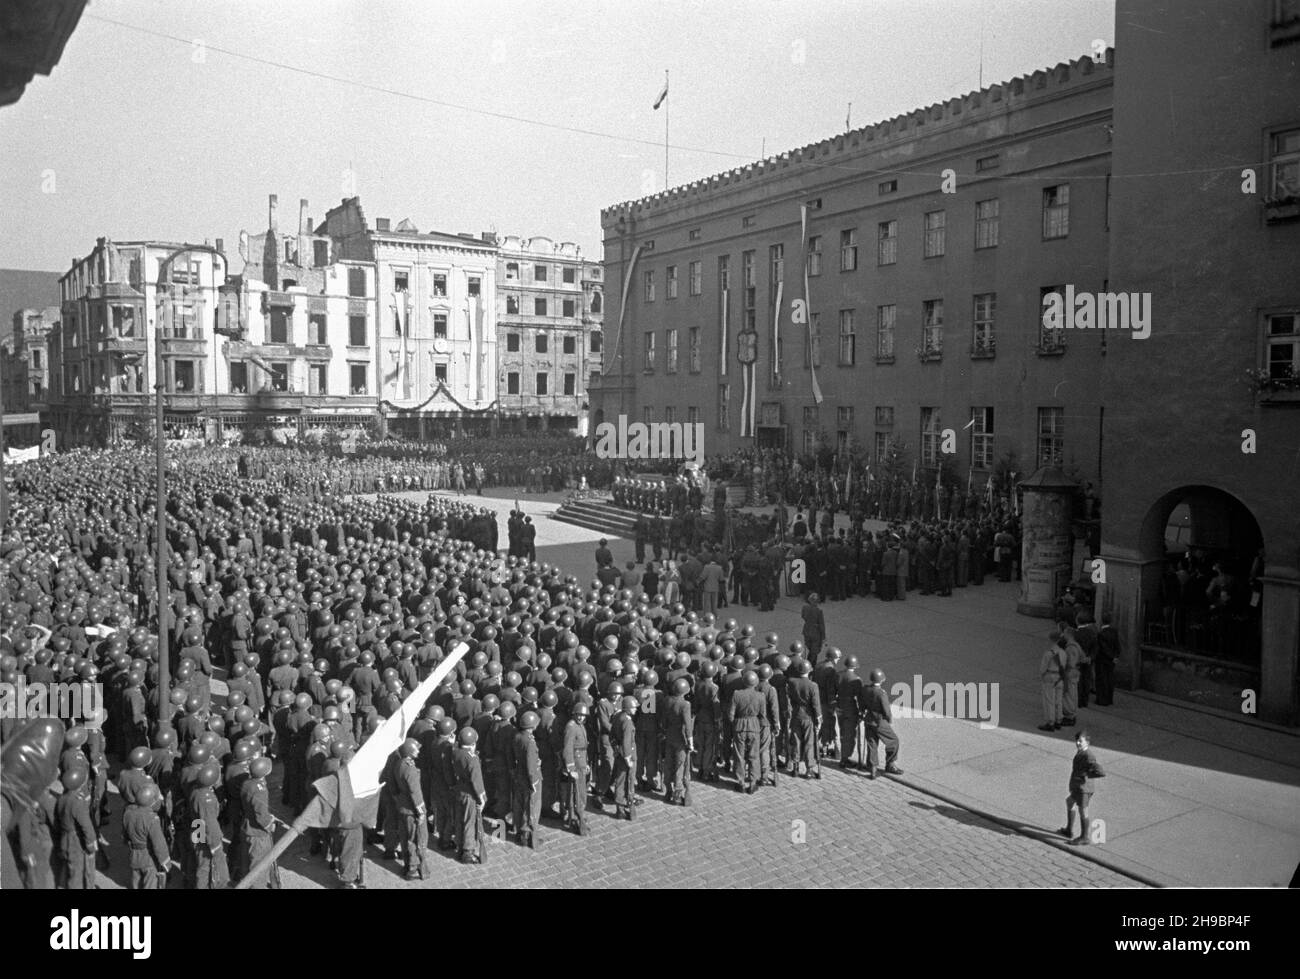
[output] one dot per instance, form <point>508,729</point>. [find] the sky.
<point>175,119</point>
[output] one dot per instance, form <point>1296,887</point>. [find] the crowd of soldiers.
<point>321,614</point>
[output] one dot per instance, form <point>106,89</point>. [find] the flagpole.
<point>665,129</point>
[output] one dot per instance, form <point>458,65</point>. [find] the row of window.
<point>1055,223</point>
<point>402,283</point>
<point>541,343</point>
<point>541,383</point>
<point>541,307</point>
<point>542,273</point>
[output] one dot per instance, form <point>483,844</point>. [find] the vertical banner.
<point>473,379</point>
<point>722,349</point>
<point>622,309</point>
<point>776,336</point>
<point>807,300</point>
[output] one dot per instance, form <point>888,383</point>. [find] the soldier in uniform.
<point>255,806</point>
<point>623,743</point>
<point>442,782</point>
<point>210,870</point>
<point>770,730</point>
<point>679,742</point>
<point>77,841</point>
<point>647,732</point>
<point>575,769</point>
<point>408,798</point>
<point>745,712</point>
<point>150,858</point>
<point>708,718</point>
<point>604,716</point>
<point>526,792</point>
<point>878,718</point>
<point>827,678</point>
<point>805,721</point>
<point>848,711</point>
<point>470,798</point>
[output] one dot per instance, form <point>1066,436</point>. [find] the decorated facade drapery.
<point>622,307</point>
<point>441,388</point>
<point>807,303</point>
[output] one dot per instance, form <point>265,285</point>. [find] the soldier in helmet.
<point>679,742</point>
<point>827,678</point>
<point>255,805</point>
<point>575,769</point>
<point>745,711</point>
<point>708,720</point>
<point>526,792</point>
<point>150,858</point>
<point>879,726</point>
<point>622,737</point>
<point>604,717</point>
<point>647,732</point>
<point>470,798</point>
<point>408,800</point>
<point>805,720</point>
<point>442,782</point>
<point>76,832</point>
<point>848,711</point>
<point>210,871</point>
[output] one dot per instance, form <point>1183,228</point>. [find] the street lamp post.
<point>160,385</point>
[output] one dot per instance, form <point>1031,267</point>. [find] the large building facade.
<point>929,241</point>
<point>550,311</point>
<point>1202,428</point>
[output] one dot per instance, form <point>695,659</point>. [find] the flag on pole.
<point>664,94</point>
<point>938,488</point>
<point>807,302</point>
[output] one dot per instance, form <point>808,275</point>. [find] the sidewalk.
<point>1190,799</point>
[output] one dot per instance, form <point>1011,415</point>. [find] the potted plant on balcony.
<point>930,350</point>
<point>1282,386</point>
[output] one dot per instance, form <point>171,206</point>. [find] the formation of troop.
<point>322,615</point>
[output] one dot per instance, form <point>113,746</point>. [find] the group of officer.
<point>567,699</point>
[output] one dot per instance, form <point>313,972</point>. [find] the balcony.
<point>125,345</point>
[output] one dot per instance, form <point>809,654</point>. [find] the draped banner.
<point>722,355</point>
<point>622,309</point>
<point>807,299</point>
<point>776,335</point>
<point>747,354</point>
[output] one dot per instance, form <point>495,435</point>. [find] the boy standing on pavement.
<point>1083,773</point>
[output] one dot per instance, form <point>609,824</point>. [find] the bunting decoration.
<point>776,336</point>
<point>722,350</point>
<point>747,354</point>
<point>622,309</point>
<point>807,302</point>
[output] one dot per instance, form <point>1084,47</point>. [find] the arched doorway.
<point>1201,595</point>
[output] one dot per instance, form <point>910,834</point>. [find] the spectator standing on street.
<point>814,626</point>
<point>1104,666</point>
<point>711,579</point>
<point>1051,674</point>
<point>1084,771</point>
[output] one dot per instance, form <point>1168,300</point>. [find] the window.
<point>648,415</point>
<point>569,275</point>
<point>693,234</point>
<point>401,281</point>
<point>815,255</point>
<point>356,331</point>
<point>183,376</point>
<point>809,430</point>
<point>316,333</point>
<point>543,383</point>
<point>1056,211</point>
<point>693,349</point>
<point>724,273</point>
<point>886,317</point>
<point>672,281</point>
<point>981,438</point>
<point>512,343</point>
<point>672,351</point>
<point>812,354</point>
<point>539,273</point>
<point>849,250</point>
<point>985,163</point>
<point>695,276</point>
<point>279,327</point>
<point>931,436</point>
<point>983,341</point>
<point>474,285</point>
<point>320,253</point>
<point>1284,163</point>
<point>512,382</point>
<point>279,375</point>
<point>935,229</point>
<point>751,291</point>
<point>724,407</point>
<point>648,352</point>
<point>356,282</point>
<point>440,373</point>
<point>747,221</point>
<point>570,344</point>
<point>882,446</point>
<point>439,284</point>
<point>238,377</point>
<point>670,414</point>
<point>884,416</point>
<point>1283,336</point>
<point>568,308</point>
<point>539,306</point>
<point>848,340</point>
<point>986,223</point>
<point>1050,338</point>
<point>887,187</point>
<point>570,383</point>
<point>595,302</point>
<point>1051,436</point>
<point>692,415</point>
<point>512,271</point>
<point>844,419</point>
<point>595,341</point>
<point>318,379</point>
<point>540,344</point>
<point>36,359</point>
<point>887,243</point>
<point>512,305</point>
<point>649,293</point>
<point>932,327</point>
<point>776,256</point>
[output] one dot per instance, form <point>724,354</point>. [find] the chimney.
<point>270,213</point>
<point>221,247</point>
<point>304,230</point>
<point>382,224</point>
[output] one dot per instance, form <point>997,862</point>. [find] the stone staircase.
<point>600,515</point>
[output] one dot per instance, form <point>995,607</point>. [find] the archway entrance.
<point>1202,597</point>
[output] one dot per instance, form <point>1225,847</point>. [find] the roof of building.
<point>25,289</point>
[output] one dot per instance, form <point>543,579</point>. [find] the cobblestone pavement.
<point>856,833</point>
